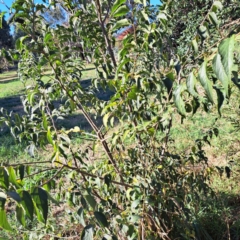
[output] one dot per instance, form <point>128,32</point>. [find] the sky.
<point>9,3</point>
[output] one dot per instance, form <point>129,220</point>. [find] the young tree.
<point>5,35</point>
<point>136,189</point>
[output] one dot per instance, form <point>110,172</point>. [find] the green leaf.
<point>123,10</point>
<point>80,216</point>
<point>20,215</point>
<point>179,101</point>
<point>120,24</point>
<point>191,80</point>
<point>91,201</point>
<point>40,197</point>
<point>47,37</point>
<point>101,219</point>
<point>220,98</point>
<point>213,19</point>
<point>12,176</point>
<point>205,82</point>
<point>117,4</point>
<point>21,171</point>
<point>3,198</point>
<point>49,136</point>
<point>226,49</point>
<point>105,119</point>
<point>4,178</point>
<point>27,203</point>
<point>195,45</point>
<point>217,5</point>
<point>220,73</point>
<point>3,221</point>
<point>87,233</point>
<point>15,196</point>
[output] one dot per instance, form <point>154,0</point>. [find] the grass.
<point>11,86</point>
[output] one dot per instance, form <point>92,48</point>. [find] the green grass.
<point>13,87</point>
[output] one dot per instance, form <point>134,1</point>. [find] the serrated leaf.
<point>220,73</point>
<point>117,4</point>
<point>87,233</point>
<point>205,82</point>
<point>121,11</point>
<point>226,49</point>
<point>101,219</point>
<point>3,221</point>
<point>191,80</point>
<point>179,101</point>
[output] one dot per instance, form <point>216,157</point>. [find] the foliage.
<point>5,40</point>
<point>124,184</point>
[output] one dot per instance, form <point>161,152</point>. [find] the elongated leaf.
<point>4,178</point>
<point>214,19</point>
<point>195,45</point>
<point>40,197</point>
<point>191,80</point>
<point>3,221</point>
<point>15,196</point>
<point>205,82</point>
<point>20,215</point>
<point>12,176</point>
<point>179,101</point>
<point>225,49</point>
<point>117,4</point>
<point>105,119</point>
<point>221,97</point>
<point>21,171</point>
<point>91,201</point>
<point>49,136</point>
<point>120,24</point>
<point>220,73</point>
<point>80,216</point>
<point>87,233</point>
<point>101,219</point>
<point>27,203</point>
<point>123,10</point>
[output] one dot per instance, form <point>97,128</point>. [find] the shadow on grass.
<point>219,218</point>
<point>14,104</point>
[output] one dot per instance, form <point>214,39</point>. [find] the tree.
<point>5,35</point>
<point>138,189</point>
<point>5,41</point>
